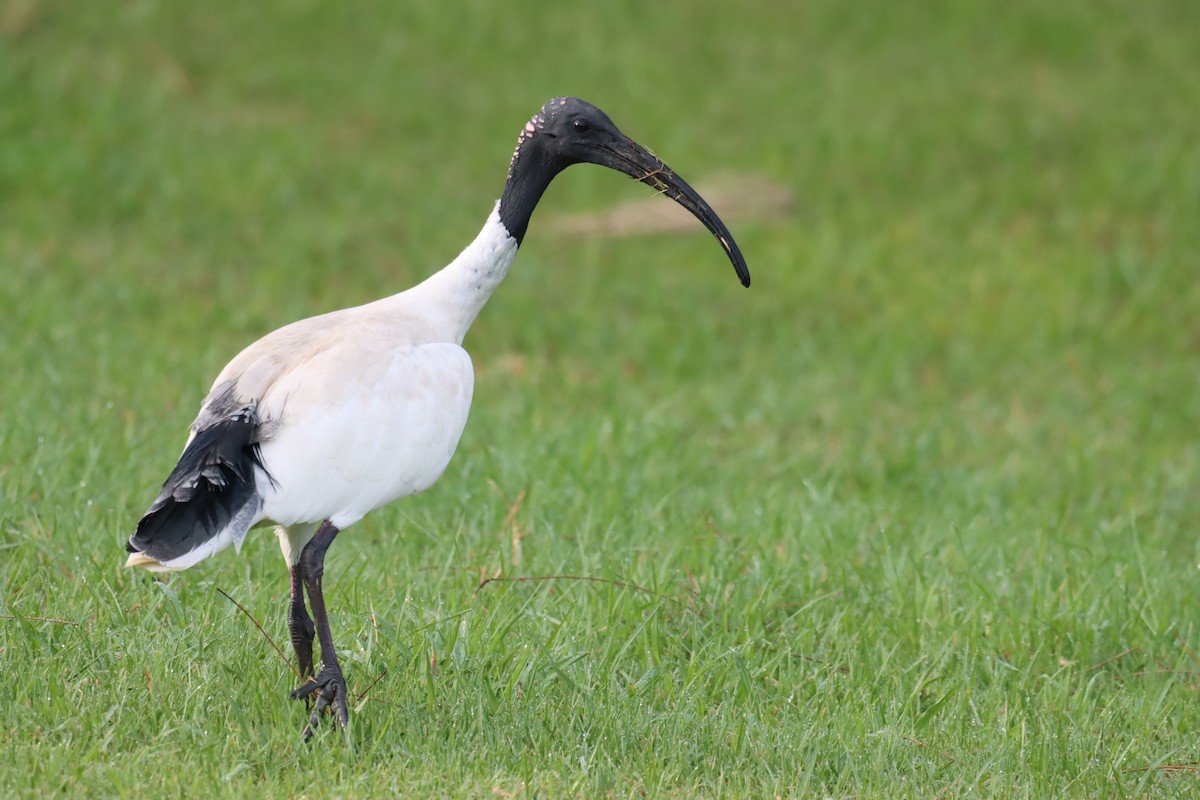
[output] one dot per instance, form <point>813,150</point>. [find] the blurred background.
<point>970,354</point>
<point>973,231</point>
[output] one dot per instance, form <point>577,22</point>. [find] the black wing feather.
<point>213,481</point>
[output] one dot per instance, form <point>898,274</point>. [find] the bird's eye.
<point>581,125</point>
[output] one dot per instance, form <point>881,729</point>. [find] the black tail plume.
<point>212,486</point>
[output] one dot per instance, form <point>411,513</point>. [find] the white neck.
<point>454,296</point>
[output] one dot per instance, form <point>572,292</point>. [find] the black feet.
<point>329,688</point>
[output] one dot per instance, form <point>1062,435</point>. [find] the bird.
<point>328,418</point>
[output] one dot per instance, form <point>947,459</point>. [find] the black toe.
<point>329,689</point>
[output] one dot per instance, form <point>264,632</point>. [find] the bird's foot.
<point>329,689</point>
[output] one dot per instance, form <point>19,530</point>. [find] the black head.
<point>569,131</point>
<point>565,131</point>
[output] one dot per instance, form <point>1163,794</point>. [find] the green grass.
<point>916,515</point>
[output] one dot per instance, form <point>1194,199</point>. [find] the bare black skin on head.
<point>571,131</point>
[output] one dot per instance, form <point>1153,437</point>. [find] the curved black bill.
<point>626,155</point>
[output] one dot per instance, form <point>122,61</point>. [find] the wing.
<point>359,428</point>
<point>326,418</point>
<point>213,495</point>
<point>208,501</point>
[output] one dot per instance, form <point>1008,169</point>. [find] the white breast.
<point>383,425</point>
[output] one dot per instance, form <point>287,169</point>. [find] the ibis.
<point>326,419</point>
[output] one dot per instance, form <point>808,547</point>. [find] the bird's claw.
<point>329,689</point>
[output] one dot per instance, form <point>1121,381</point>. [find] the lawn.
<point>916,515</point>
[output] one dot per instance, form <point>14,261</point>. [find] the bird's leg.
<point>300,626</point>
<point>328,686</point>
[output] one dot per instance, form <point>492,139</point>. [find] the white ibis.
<point>329,418</point>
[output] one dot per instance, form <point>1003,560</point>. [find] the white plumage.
<point>324,420</point>
<point>359,407</point>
